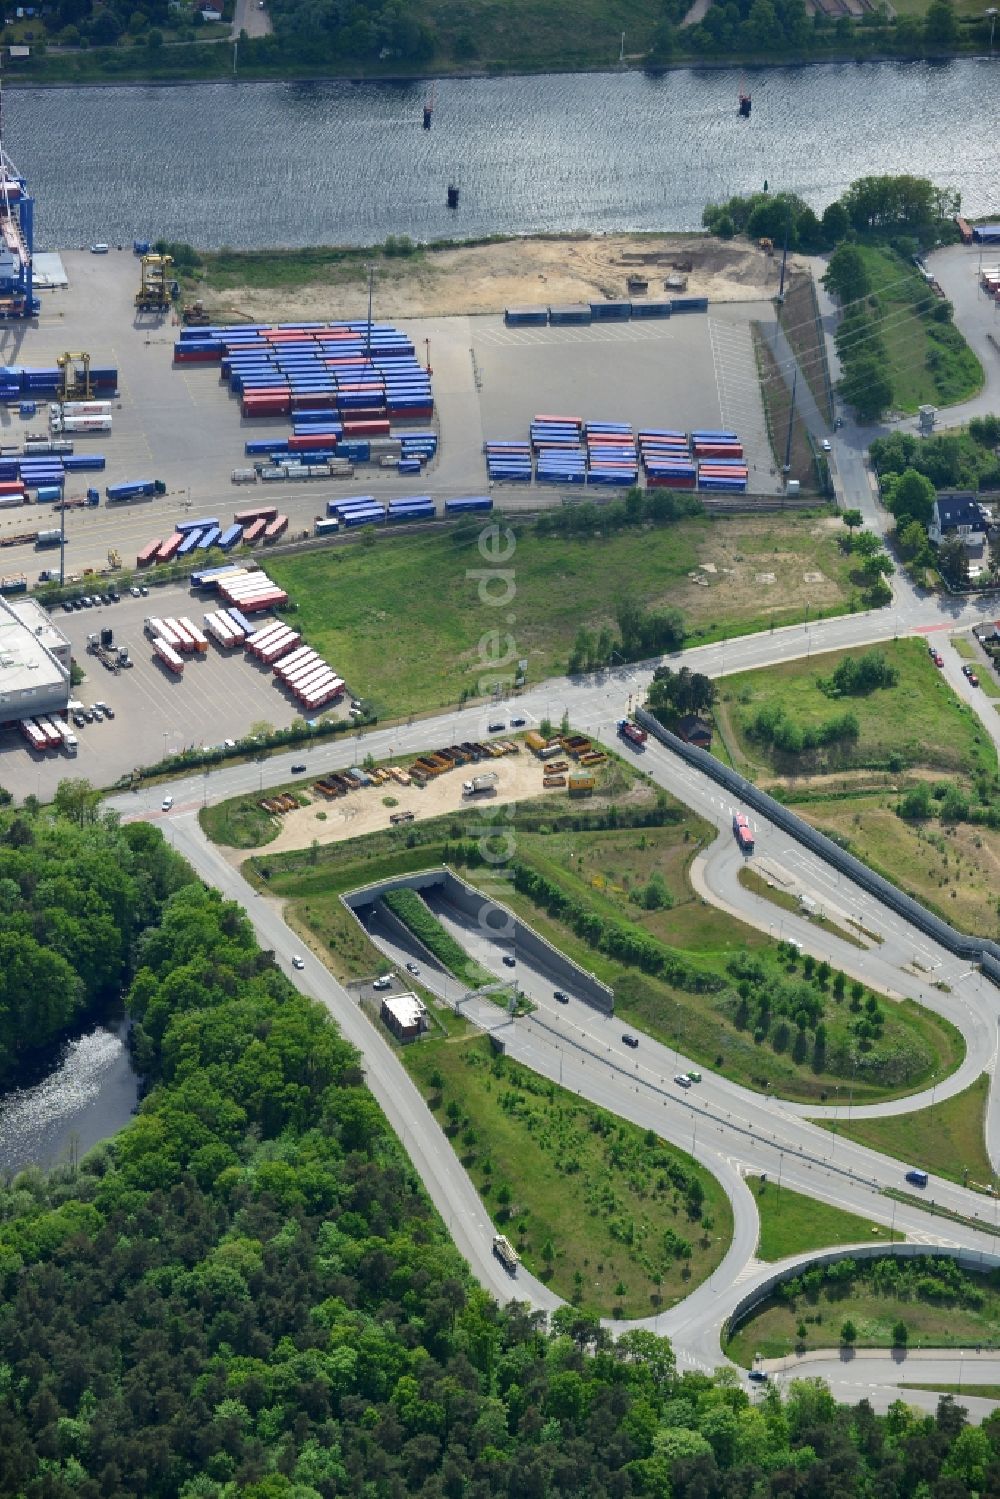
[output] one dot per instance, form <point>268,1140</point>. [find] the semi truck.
<point>742,832</point>
<point>632,732</point>
<point>481,785</point>
<point>506,1253</point>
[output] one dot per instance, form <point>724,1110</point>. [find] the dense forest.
<point>74,894</point>
<point>247,1294</point>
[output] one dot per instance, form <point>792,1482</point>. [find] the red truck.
<point>742,830</point>
<point>632,732</point>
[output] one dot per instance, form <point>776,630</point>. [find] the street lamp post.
<point>992,13</point>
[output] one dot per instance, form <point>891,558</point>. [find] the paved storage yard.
<point>220,696</point>
<point>182,426</point>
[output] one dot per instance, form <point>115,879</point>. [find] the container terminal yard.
<point>149,441</point>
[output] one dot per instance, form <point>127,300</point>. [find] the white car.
<point>99,249</point>
<point>682,1080</point>
<point>825,445</point>
<point>385,982</point>
<point>298,962</point>
<point>166,804</point>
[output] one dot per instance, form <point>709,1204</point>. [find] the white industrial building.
<point>405,1015</point>
<point>34,662</point>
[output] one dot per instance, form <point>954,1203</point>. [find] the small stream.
<point>87,1093</point>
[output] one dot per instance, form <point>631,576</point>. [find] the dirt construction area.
<point>365,810</point>
<point>515,273</point>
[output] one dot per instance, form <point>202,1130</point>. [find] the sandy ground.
<point>364,811</point>
<point>524,272</point>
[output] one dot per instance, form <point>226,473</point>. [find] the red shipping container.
<point>366,428</point>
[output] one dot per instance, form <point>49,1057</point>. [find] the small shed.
<point>405,1015</point>
<point>694,730</point>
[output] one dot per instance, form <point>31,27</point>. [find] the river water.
<point>266,163</point>
<point>87,1093</point>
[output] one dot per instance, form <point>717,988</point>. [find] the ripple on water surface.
<point>268,163</point>
<point>89,1094</point>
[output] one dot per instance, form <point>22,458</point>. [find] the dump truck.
<point>481,785</point>
<point>506,1253</point>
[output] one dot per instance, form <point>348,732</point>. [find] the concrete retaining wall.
<point>971,949</point>
<point>492,918</point>
<point>968,1259</point>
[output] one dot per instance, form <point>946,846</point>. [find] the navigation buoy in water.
<point>745,102</point>
<point>453,196</point>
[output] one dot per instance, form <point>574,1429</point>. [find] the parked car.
<point>496,727</point>
<point>143,591</point>
<point>517,723</point>
<point>79,720</point>
<point>759,1376</point>
<point>969,673</point>
<point>938,659</point>
<point>98,715</point>
<point>383,982</point>
<point>100,248</point>
<point>108,712</point>
<point>508,961</point>
<point>166,804</point>
<point>825,445</point>
<point>134,591</point>
<point>630,1040</point>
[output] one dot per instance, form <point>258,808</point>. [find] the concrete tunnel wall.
<point>492,917</point>
<point>967,1259</point>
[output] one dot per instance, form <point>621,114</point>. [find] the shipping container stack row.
<point>555,442</point>
<point>989,280</point>
<point>310,679</point>
<point>611,455</point>
<point>508,462</point>
<point>582,314</point>
<point>365,375</point>
<point>18,382</point>
<point>365,510</point>
<point>709,460</point>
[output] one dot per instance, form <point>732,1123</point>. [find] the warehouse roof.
<point>26,661</point>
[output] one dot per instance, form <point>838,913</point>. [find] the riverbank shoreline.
<point>498,73</point>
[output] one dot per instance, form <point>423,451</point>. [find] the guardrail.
<point>971,949</point>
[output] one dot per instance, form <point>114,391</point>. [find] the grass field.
<point>918,722</point>
<point>953,869</point>
<point>632,1223</point>
<point>946,1139</point>
<point>929,362</point>
<point>404,623</point>
<point>608,869</point>
<point>791,1223</point>
<point>778,1330</point>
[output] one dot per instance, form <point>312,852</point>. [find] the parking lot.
<point>220,696</point>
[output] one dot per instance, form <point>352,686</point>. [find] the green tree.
<point>852,519</point>
<point>848,1333</point>
<point>866,387</point>
<point>912,495</point>
<point>900,1334</point>
<point>846,276</point>
<point>940,24</point>
<point>953,561</point>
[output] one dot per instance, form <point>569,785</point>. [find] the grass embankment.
<point>938,1305</point>
<point>929,362</point>
<point>947,1139</point>
<point>413,913</point>
<point>405,622</point>
<point>918,722</point>
<point>988,686</point>
<point>751,880</point>
<point>610,1216</point>
<point>617,899</point>
<point>952,868</point>
<point>800,322</point>
<point>791,1223</point>
<point>776,396</point>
